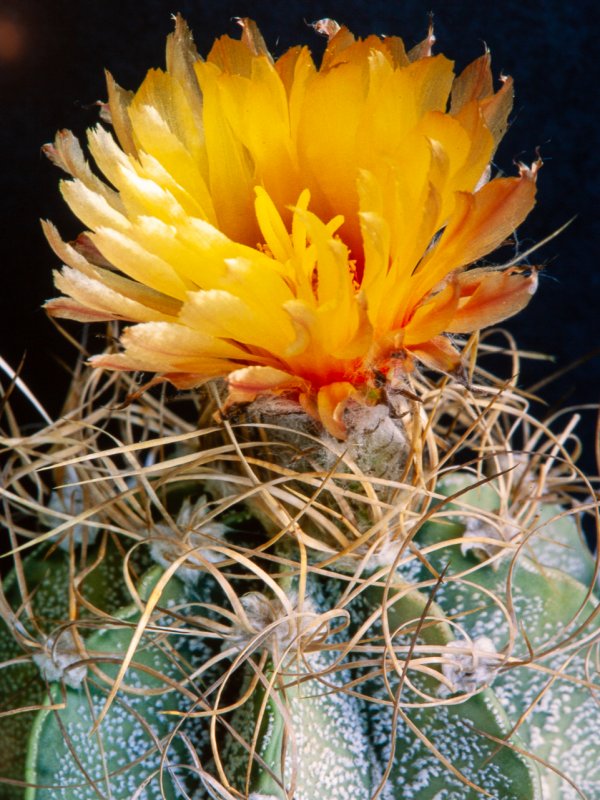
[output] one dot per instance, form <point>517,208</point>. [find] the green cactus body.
<point>136,751</point>
<point>407,736</point>
<point>46,576</point>
<point>431,749</point>
<point>549,602</point>
<point>104,759</point>
<point>21,687</point>
<point>312,738</point>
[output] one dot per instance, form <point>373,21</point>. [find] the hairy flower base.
<point>300,230</point>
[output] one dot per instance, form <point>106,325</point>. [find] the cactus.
<point>356,573</point>
<point>447,658</point>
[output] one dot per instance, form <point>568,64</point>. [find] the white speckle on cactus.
<point>563,728</point>
<point>288,625</point>
<point>387,552</point>
<point>562,715</point>
<point>327,747</point>
<point>58,655</point>
<point>118,744</point>
<point>470,665</point>
<point>192,536</point>
<point>486,540</point>
<point>69,501</point>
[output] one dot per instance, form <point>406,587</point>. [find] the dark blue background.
<point>548,47</point>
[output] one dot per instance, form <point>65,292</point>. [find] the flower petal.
<point>331,402</point>
<point>97,297</point>
<point>433,317</point>
<point>480,223</point>
<point>245,385</point>
<point>223,315</point>
<point>297,228</point>
<point>119,101</point>
<point>438,353</point>
<point>490,296</point>
<point>171,348</point>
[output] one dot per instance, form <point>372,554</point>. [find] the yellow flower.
<point>297,229</point>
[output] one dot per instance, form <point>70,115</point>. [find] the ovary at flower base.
<point>299,230</point>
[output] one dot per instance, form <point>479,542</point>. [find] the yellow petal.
<point>181,56</point>
<point>245,385</point>
<point>474,83</point>
<point>272,227</point>
<point>331,402</point>
<point>480,223</point>
<point>96,296</point>
<point>67,308</point>
<point>438,354</point>
<point>490,296</point>
<point>118,103</point>
<point>132,259</point>
<point>92,207</point>
<point>221,314</point>
<point>170,348</point>
<point>66,153</point>
<point>146,186</point>
<point>496,109</point>
<point>186,163</point>
<point>139,292</point>
<point>230,170</point>
<point>231,56</point>
<point>433,317</point>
